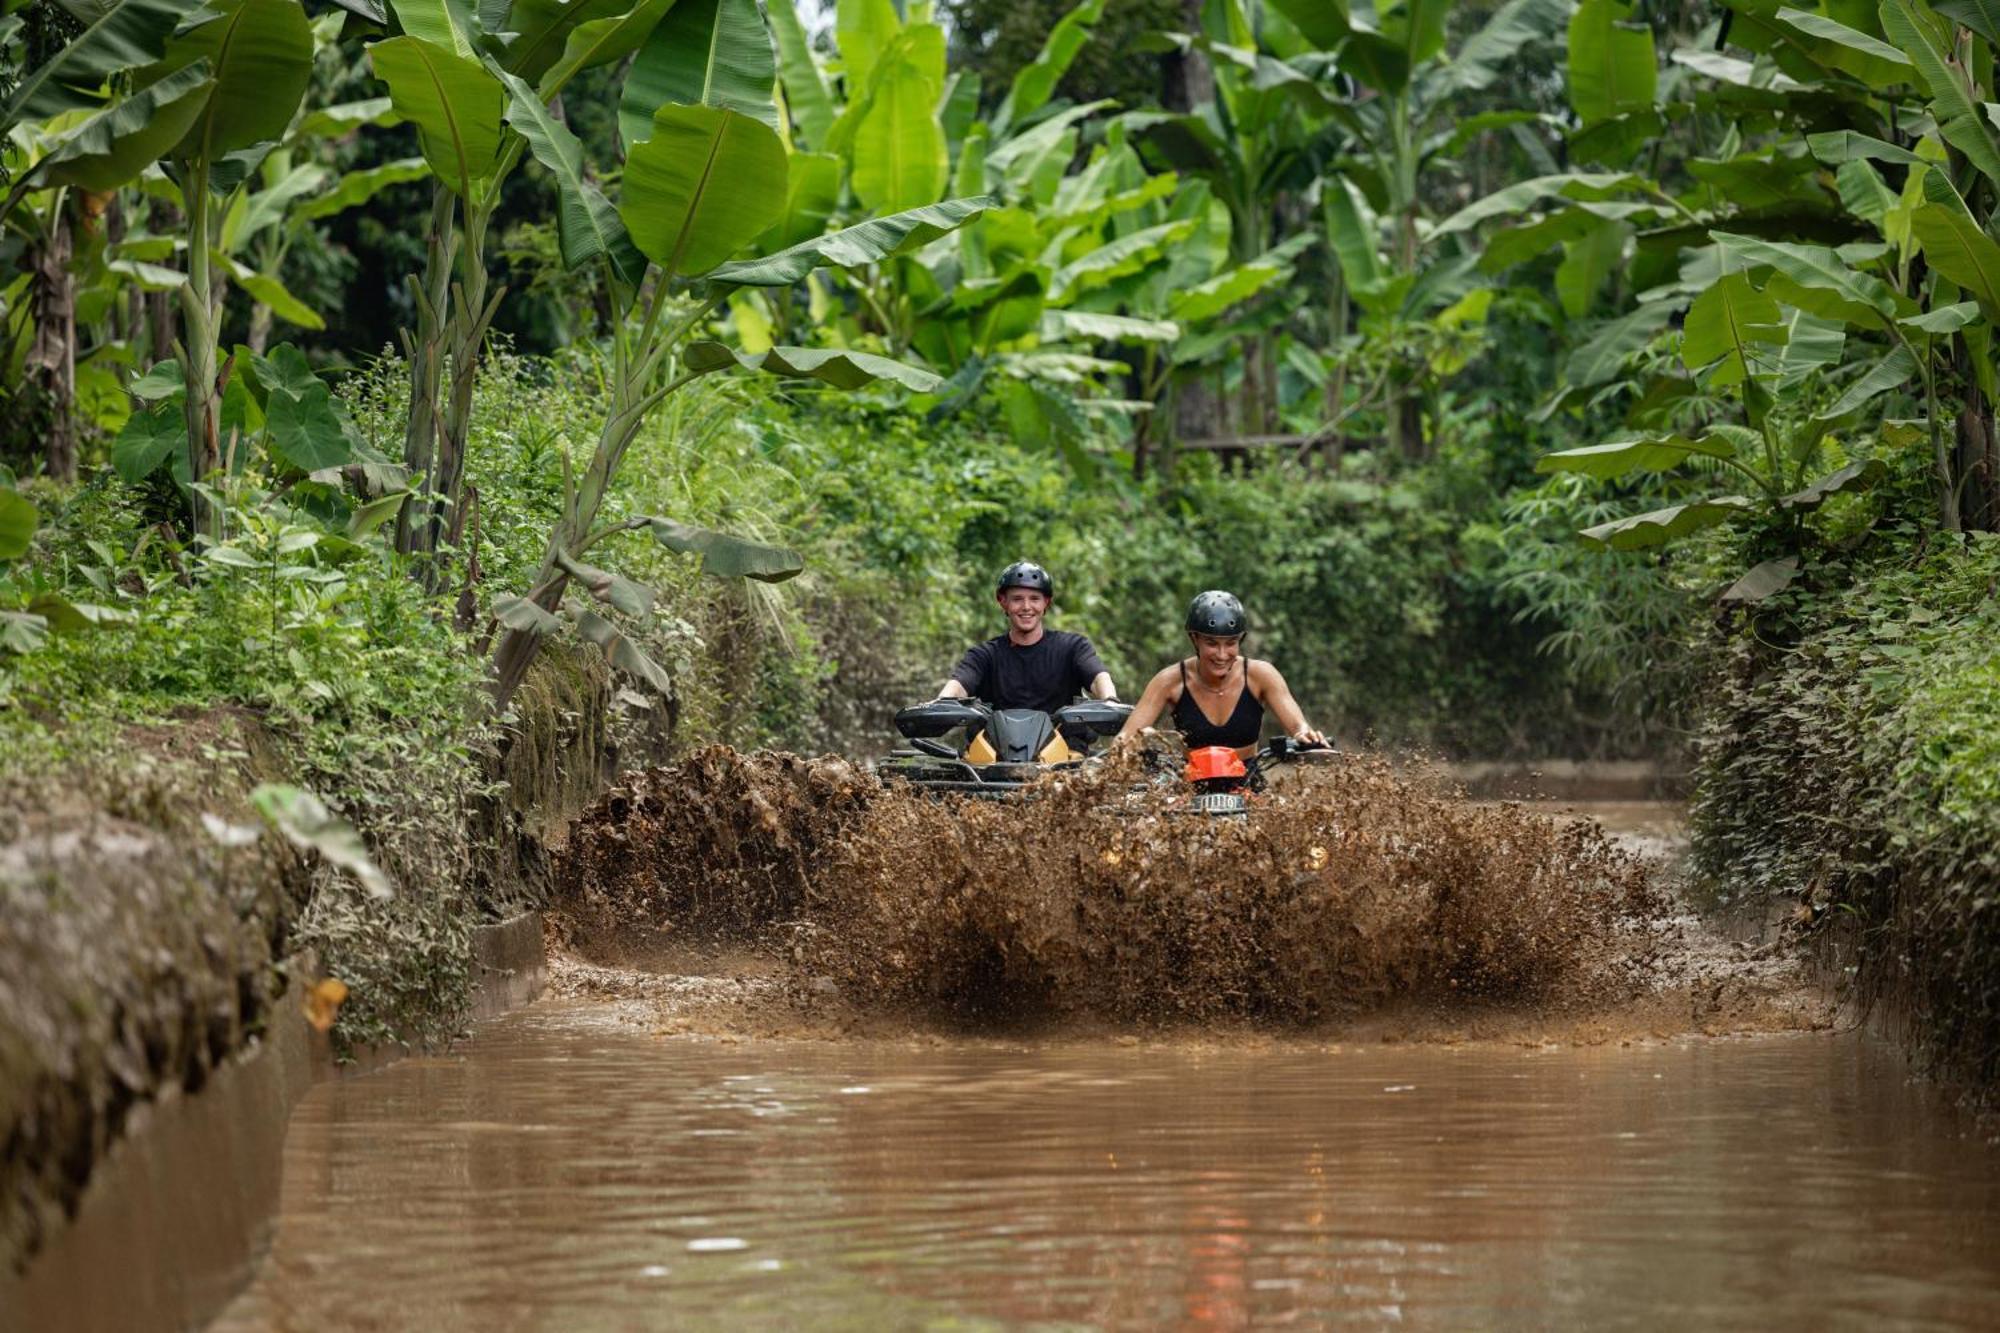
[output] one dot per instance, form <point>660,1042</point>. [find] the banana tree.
<point>705,176</point>
<point>445,73</point>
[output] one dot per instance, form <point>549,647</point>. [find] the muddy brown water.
<point>570,1167</point>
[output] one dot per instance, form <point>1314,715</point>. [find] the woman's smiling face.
<point>1217,652</point>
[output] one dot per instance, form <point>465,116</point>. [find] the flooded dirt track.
<point>566,1171</point>
<point>692,1138</point>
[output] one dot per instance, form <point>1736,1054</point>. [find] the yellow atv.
<point>999,751</point>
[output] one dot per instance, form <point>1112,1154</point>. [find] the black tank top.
<point>1242,728</point>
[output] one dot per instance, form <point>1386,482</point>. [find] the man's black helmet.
<point>1027,574</point>
<point>1217,613</point>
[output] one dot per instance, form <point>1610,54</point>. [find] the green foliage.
<point>1849,773</point>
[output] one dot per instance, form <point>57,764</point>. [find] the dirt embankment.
<point>780,896</point>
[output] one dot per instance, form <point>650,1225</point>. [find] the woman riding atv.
<point>1218,696</point>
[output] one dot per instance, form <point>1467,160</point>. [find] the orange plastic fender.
<point>1214,761</point>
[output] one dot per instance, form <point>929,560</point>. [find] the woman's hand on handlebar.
<point>1307,734</point>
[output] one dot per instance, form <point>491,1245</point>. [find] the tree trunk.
<point>51,361</point>
<point>1979,506</point>
<point>162,326</point>
<point>1190,82</point>
<point>425,349</point>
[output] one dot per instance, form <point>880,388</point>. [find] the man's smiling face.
<point>1025,608</point>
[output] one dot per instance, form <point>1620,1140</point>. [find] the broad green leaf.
<point>1764,580</point>
<point>1894,369</point>
<point>619,650</point>
<point>306,432</point>
<point>454,102</point>
<point>811,194</point>
<point>1724,323</point>
<point>1036,81</point>
<point>1944,319</point>
<point>727,556</point>
<point>899,155</point>
<point>1588,263</point>
<point>1982,16</point>
<point>1618,458</point>
<point>865,243</point>
<point>1526,194</point>
<point>598,41</point>
<point>250,214</point>
<point>806,92</point>
<point>267,290</point>
<point>543,29</point>
<point>1060,324</point>
<point>1324,23</point>
<point>447,24</point>
<point>829,365</point>
<point>1352,228</point>
<point>863,30</point>
<point>1611,63</point>
<point>344,117</point>
<point>1223,292</point>
<point>1600,354</point>
<point>67,617</point>
<point>1955,246</point>
<point>1813,278</point>
<point>1838,146</point>
<point>260,53</point>
<point>358,187</point>
<point>518,613</point>
<point>149,439</point>
<point>1873,61</point>
<point>1960,117</point>
<point>1862,475</point>
<point>1120,258</point>
<point>117,35</point>
<point>629,596</point>
<point>112,147</point>
<point>702,53</point>
<point>587,226</point>
<point>18,519</point>
<point>1660,526</point>
<point>707,182</point>
<point>1863,192</point>
<point>367,517</point>
<point>1812,343</point>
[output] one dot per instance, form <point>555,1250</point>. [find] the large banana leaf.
<point>443,23</point>
<point>1955,246</point>
<point>868,242</point>
<point>1982,16</point>
<point>542,28</point>
<point>1814,278</point>
<point>1599,356</point>
<point>1611,63</point>
<point>358,187</point>
<point>727,556</point>
<point>703,53</point>
<point>899,154</point>
<point>619,650</point>
<point>455,103</point>
<point>1618,458</point>
<point>261,55</point>
<point>1324,23</point>
<point>1351,226</point>
<point>1037,80</point>
<point>805,87</point>
<point>707,182</point>
<point>829,365</point>
<point>1892,371</point>
<point>1724,324</point>
<point>1117,259</point>
<point>115,145</point>
<point>863,29</point>
<point>599,42</point>
<point>1961,118</point>
<point>587,226</point>
<point>126,34</point>
<point>1660,526</point>
<point>1522,195</point>
<point>1870,59</point>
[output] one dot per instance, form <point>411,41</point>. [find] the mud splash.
<point>1098,899</point>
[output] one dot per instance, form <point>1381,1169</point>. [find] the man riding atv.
<point>1030,666</point>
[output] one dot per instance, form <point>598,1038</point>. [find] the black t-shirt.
<point>1046,674</point>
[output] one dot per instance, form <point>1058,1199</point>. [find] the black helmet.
<point>1217,613</point>
<point>1027,574</point>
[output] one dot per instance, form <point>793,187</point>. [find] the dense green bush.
<point>1850,770</point>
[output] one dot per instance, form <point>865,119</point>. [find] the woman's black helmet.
<point>1217,613</point>
<point>1027,574</point>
